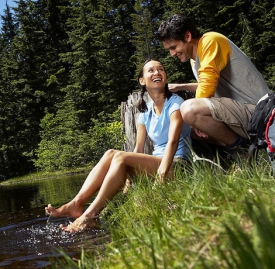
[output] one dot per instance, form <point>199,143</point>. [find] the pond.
<point>29,238</point>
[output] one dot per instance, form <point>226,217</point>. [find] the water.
<point>29,238</point>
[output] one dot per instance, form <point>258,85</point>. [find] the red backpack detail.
<point>270,132</point>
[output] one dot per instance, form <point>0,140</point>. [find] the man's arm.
<point>214,53</point>
<point>192,87</point>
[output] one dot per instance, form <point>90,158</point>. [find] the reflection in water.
<point>28,237</point>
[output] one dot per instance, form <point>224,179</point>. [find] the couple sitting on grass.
<point>222,70</point>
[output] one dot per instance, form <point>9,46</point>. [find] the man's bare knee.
<point>192,109</point>
<point>188,111</point>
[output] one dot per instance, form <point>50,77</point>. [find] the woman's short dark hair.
<point>141,104</point>
<point>175,28</point>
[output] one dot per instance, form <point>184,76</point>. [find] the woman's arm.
<point>141,137</point>
<point>175,129</point>
<point>173,87</point>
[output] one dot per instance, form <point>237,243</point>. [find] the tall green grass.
<point>205,218</point>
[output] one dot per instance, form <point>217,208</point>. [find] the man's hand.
<point>200,133</point>
<point>174,87</point>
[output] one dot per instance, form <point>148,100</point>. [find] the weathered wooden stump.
<point>129,116</point>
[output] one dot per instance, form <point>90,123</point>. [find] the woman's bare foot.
<point>80,224</point>
<point>70,209</point>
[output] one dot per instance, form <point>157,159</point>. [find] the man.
<point>228,87</point>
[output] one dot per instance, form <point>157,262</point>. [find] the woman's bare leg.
<point>91,185</point>
<point>113,183</point>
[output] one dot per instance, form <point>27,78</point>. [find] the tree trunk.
<point>129,116</point>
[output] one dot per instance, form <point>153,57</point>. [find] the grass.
<point>204,219</point>
<point>44,174</point>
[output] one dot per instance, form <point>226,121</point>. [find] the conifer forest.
<point>66,66</point>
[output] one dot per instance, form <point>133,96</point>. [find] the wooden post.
<point>129,116</point>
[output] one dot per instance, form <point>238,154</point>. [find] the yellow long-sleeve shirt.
<point>223,70</point>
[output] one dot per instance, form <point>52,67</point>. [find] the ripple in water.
<point>32,243</point>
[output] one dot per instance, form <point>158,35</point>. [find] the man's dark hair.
<point>175,28</point>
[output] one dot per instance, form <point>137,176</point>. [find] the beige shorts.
<point>233,113</point>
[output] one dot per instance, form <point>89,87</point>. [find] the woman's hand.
<point>163,177</point>
<point>160,177</point>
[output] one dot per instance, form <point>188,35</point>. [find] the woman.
<point>162,120</point>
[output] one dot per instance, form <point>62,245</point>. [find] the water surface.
<point>29,238</point>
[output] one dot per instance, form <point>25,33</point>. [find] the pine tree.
<point>101,70</point>
<point>53,16</point>
<point>116,68</point>
<point>10,161</point>
<point>262,22</point>
<point>32,75</point>
<point>143,27</point>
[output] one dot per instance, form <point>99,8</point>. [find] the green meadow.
<point>205,218</point>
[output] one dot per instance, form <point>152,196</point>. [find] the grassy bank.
<point>204,219</point>
<point>48,174</point>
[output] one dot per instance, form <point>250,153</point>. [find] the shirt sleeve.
<point>175,102</point>
<point>141,118</point>
<point>214,53</point>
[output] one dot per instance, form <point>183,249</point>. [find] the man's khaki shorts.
<point>233,113</point>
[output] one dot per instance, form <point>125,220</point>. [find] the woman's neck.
<point>158,109</point>
<point>158,104</point>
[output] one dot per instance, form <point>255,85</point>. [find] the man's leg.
<point>197,114</point>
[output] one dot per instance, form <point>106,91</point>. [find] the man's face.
<point>178,48</point>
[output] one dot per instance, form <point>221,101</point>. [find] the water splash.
<point>39,239</point>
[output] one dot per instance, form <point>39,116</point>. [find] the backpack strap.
<point>256,124</point>
<point>252,153</point>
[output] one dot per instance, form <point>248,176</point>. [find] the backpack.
<point>261,129</point>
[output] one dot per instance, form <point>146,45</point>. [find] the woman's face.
<point>154,75</point>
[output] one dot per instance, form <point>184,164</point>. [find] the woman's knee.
<point>119,156</point>
<point>110,153</point>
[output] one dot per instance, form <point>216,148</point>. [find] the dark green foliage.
<point>262,19</point>
<point>101,71</point>
<point>87,54</point>
<point>64,145</point>
<point>28,65</point>
<point>146,19</point>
